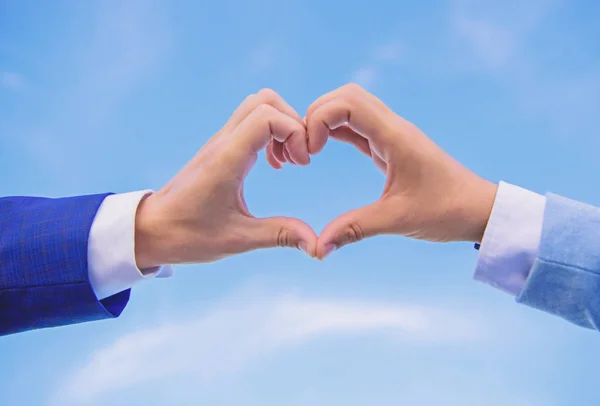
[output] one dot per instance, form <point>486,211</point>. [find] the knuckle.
<point>354,232</point>
<point>264,111</point>
<point>249,97</point>
<point>352,88</point>
<point>350,99</point>
<point>268,96</point>
<point>283,237</point>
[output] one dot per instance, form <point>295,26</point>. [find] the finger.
<point>359,114</point>
<point>286,155</point>
<point>256,131</point>
<point>278,151</point>
<point>283,232</point>
<point>348,89</point>
<point>241,111</point>
<point>265,96</point>
<point>271,160</point>
<point>316,144</point>
<point>247,105</point>
<point>297,145</point>
<point>297,149</point>
<point>352,227</point>
<point>348,136</point>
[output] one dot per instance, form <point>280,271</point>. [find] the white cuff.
<point>111,247</point>
<point>511,240</point>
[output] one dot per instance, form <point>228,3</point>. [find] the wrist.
<point>481,202</point>
<point>148,235</point>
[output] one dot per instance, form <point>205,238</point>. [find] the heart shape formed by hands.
<point>427,195</point>
<point>201,214</point>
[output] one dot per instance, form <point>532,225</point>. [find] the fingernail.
<point>306,248</point>
<point>328,249</point>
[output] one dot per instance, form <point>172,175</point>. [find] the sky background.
<point>101,96</point>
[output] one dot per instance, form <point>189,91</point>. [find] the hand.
<point>428,195</point>
<point>201,215</point>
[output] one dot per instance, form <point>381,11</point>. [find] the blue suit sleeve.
<point>43,264</point>
<point>565,277</point>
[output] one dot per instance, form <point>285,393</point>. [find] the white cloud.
<point>491,44</point>
<point>263,57</point>
<point>572,103</point>
<point>227,339</point>
<point>124,44</point>
<point>365,76</point>
<point>128,44</point>
<point>382,55</point>
<point>11,80</point>
<point>269,55</point>
<point>492,36</point>
<point>391,52</point>
<point>497,39</point>
<point>452,392</point>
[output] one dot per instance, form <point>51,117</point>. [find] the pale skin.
<point>201,215</point>
<point>428,195</point>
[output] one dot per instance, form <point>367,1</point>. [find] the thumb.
<point>353,226</point>
<point>284,232</point>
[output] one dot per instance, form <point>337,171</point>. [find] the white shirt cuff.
<point>511,240</point>
<point>111,247</point>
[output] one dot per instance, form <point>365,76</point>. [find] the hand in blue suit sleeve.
<point>43,264</point>
<point>50,247</point>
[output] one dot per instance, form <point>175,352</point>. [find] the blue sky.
<point>117,95</point>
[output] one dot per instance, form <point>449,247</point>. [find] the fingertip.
<point>287,156</point>
<point>316,143</point>
<point>318,133</point>
<point>278,152</point>
<point>326,250</point>
<point>271,159</point>
<point>306,160</point>
<point>308,248</point>
<point>275,165</point>
<point>299,157</point>
<point>296,148</point>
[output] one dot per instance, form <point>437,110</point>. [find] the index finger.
<point>265,96</point>
<point>352,90</point>
<point>358,113</point>
<point>256,131</point>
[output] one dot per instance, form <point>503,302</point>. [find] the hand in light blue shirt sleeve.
<point>565,277</point>
<point>544,251</point>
